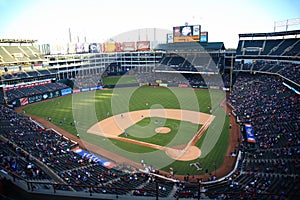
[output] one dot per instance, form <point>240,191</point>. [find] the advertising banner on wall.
<point>76,91</point>
<point>24,101</point>
<point>66,91</point>
<point>143,84</point>
<point>118,47</point>
<point>109,47</point>
<point>163,85</point>
<point>71,48</point>
<point>85,89</point>
<point>250,133</point>
<point>35,98</point>
<point>25,85</point>
<point>50,95</point>
<point>143,45</point>
<point>96,88</point>
<point>79,48</point>
<point>169,38</point>
<point>86,48</point>
<point>93,158</point>
<point>128,46</point>
<point>95,48</point>
<point>154,84</point>
<point>183,85</point>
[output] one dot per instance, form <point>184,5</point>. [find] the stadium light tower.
<point>231,69</point>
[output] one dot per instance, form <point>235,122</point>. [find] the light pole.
<point>231,69</point>
<point>215,165</point>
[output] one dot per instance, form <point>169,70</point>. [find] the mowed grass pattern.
<point>86,109</point>
<point>144,131</point>
<point>119,80</point>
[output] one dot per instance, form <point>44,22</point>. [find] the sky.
<point>49,21</point>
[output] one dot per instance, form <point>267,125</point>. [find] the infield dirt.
<point>112,127</point>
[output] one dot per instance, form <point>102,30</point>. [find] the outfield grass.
<point>119,80</point>
<point>90,107</point>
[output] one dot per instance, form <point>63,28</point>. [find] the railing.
<point>115,192</point>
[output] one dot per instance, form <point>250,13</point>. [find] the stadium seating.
<point>29,91</point>
<point>87,81</point>
<point>54,152</point>
<point>269,106</point>
<point>17,54</point>
<point>269,47</point>
<point>195,62</point>
<point>280,49</point>
<point>288,70</point>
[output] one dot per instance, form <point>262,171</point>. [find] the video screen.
<point>190,33</point>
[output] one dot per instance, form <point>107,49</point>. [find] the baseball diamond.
<point>113,126</point>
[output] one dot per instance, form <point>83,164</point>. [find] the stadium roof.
<point>191,46</point>
<point>17,41</point>
<point>272,34</point>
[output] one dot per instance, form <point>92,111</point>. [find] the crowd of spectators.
<point>286,69</point>
<point>12,159</point>
<point>87,81</point>
<point>273,111</point>
<point>270,169</point>
<point>193,80</point>
<point>14,127</point>
<point>27,149</point>
<point>14,94</point>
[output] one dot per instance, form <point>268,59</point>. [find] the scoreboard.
<point>188,33</point>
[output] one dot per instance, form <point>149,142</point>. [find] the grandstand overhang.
<point>28,41</point>
<point>295,33</point>
<point>191,47</point>
<point>183,72</point>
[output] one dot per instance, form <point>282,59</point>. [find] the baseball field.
<point>163,127</point>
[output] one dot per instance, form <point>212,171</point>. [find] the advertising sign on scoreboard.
<point>188,33</point>
<point>204,37</point>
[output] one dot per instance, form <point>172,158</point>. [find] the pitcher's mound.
<point>162,130</point>
<point>191,153</point>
